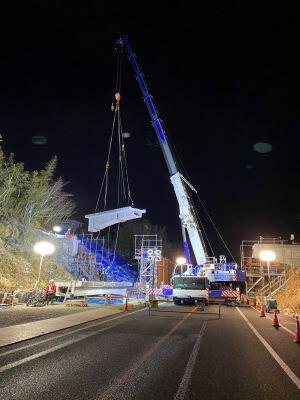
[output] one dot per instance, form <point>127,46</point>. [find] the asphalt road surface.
<point>176,353</point>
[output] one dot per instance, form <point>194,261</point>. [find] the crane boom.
<point>186,213</point>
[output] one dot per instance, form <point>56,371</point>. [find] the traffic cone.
<point>262,311</point>
<point>297,333</point>
<point>275,321</point>
<point>126,305</point>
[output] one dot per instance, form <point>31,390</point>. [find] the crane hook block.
<point>118,96</point>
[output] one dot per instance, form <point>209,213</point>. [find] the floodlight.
<point>267,255</point>
<point>180,261</point>
<point>44,248</point>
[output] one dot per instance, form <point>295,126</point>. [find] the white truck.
<point>189,289</point>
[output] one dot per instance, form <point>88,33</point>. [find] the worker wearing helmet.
<point>50,292</point>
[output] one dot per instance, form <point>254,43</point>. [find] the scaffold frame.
<point>148,251</point>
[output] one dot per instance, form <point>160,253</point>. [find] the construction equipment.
<point>206,266</point>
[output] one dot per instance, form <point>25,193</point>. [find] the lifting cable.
<point>124,188</point>
<point>204,208</point>
<point>123,185</point>
<point>123,170</point>
<point>198,219</point>
<point>216,229</point>
<point>107,165</point>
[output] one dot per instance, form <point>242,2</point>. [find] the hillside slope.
<point>288,298</point>
<point>19,270</point>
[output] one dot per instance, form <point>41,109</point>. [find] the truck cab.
<point>189,289</point>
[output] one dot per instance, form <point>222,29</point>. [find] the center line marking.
<point>273,353</point>
<point>182,390</point>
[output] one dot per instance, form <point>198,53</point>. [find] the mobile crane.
<point>189,284</point>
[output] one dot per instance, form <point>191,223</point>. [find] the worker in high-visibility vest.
<point>50,292</point>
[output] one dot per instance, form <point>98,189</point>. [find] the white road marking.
<point>273,353</point>
<point>281,326</point>
<point>183,387</point>
<point>60,346</point>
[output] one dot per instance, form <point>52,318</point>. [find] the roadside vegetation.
<point>29,200</point>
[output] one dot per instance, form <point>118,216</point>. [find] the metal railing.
<point>275,283</point>
<point>274,270</point>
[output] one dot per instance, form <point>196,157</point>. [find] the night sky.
<point>223,78</point>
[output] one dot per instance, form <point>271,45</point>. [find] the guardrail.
<point>259,271</point>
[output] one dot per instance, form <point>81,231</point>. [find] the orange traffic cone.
<point>126,305</point>
<point>262,311</point>
<point>297,333</point>
<point>275,321</point>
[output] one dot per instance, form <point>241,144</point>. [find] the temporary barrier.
<point>199,311</point>
<point>230,293</point>
<point>154,291</point>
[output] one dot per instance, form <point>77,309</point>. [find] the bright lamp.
<point>44,248</point>
<point>267,255</point>
<point>181,261</point>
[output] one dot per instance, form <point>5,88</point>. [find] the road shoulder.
<point>17,333</point>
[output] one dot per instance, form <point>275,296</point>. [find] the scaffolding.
<point>82,256</point>
<point>148,252</point>
<point>267,278</point>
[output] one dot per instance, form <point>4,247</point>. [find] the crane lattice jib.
<point>187,218</point>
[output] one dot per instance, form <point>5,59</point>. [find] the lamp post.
<point>268,256</point>
<point>43,249</point>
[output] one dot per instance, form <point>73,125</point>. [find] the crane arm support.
<point>187,219</point>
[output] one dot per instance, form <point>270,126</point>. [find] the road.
<point>178,354</point>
